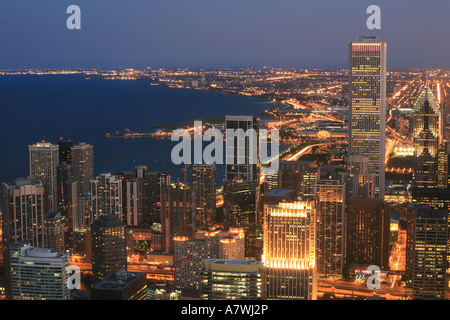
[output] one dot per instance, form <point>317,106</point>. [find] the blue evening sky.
<point>210,33</point>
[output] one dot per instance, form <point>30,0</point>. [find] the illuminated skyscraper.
<point>106,196</point>
<point>367,99</point>
<point>289,251</point>
<point>204,186</point>
<point>231,280</point>
<point>23,218</point>
<point>189,253</point>
<point>430,254</point>
<point>44,159</point>
<point>82,160</point>
<point>426,139</point>
<point>38,274</point>
<point>54,227</point>
<point>300,176</point>
<point>176,213</point>
<point>109,249</point>
<point>330,207</point>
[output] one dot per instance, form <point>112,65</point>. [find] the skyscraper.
<point>241,209</point>
<point>426,139</point>
<point>289,251</point>
<point>82,160</point>
<point>121,285</point>
<point>109,250</point>
<point>190,252</point>
<point>38,274</point>
<point>330,208</point>
<point>430,254</point>
<point>106,196</point>
<point>359,183</point>
<point>367,99</point>
<point>23,219</point>
<point>300,176</point>
<point>240,165</point>
<point>44,159</point>
<point>231,280</point>
<point>64,150</point>
<point>367,227</point>
<point>176,213</point>
<point>204,189</point>
<point>54,227</point>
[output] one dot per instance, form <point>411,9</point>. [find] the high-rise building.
<point>82,217</point>
<point>442,171</point>
<point>430,254</point>
<point>231,280</point>
<point>176,213</point>
<point>54,227</point>
<point>367,229</point>
<point>82,160</point>
<point>330,208</point>
<point>67,196</point>
<point>300,176</point>
<point>141,195</point>
<point>241,209</point>
<point>241,157</point>
<point>22,218</point>
<point>359,183</point>
<point>121,285</point>
<point>289,251</point>
<point>189,253</point>
<point>411,212</point>
<point>109,250</point>
<point>106,196</point>
<point>426,140</point>
<point>44,159</point>
<point>367,99</point>
<point>38,274</point>
<point>204,195</point>
<point>64,150</point>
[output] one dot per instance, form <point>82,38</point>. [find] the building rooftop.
<point>226,261</point>
<point>118,280</point>
<point>108,220</point>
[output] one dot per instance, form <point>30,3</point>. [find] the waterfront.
<point>36,107</point>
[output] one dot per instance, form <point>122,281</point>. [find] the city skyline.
<point>123,206</point>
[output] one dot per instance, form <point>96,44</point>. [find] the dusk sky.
<point>211,33</point>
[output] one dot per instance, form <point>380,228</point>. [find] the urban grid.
<point>358,209</point>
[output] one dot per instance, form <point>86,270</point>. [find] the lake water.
<point>35,108</point>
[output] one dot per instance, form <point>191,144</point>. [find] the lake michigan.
<point>49,107</point>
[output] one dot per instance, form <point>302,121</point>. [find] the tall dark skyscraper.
<point>82,160</point>
<point>367,99</point>
<point>204,194</point>
<point>239,166</point>
<point>367,226</point>
<point>426,139</point>
<point>330,236</point>
<point>241,209</point>
<point>64,150</point>
<point>109,250</point>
